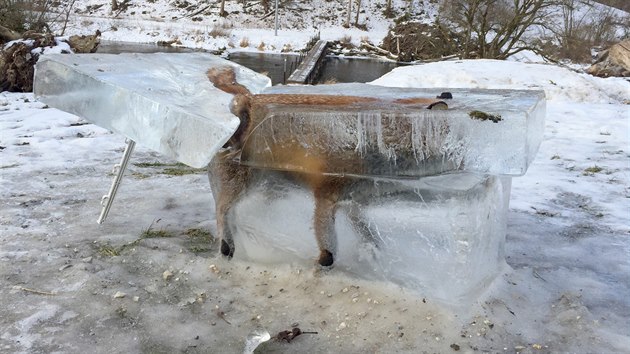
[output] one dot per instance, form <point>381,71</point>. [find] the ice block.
<point>424,198</point>
<point>440,236</point>
<point>425,195</point>
<point>162,101</point>
<point>495,132</point>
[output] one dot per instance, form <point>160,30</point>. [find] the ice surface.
<point>442,236</point>
<point>426,202</point>
<point>162,101</point>
<point>426,205</point>
<point>387,138</point>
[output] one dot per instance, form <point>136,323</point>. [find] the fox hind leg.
<point>327,192</point>
<point>228,181</point>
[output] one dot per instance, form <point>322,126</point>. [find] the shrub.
<point>219,32</point>
<point>13,15</point>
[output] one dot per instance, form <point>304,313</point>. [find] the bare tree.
<point>356,19</point>
<point>66,12</point>
<point>222,12</point>
<point>582,24</point>
<point>388,9</point>
<point>347,24</point>
<point>494,28</point>
<point>31,15</point>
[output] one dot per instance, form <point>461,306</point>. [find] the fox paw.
<point>226,250</point>
<point>325,258</point>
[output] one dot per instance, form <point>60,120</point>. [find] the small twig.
<point>221,314</point>
<point>252,4</point>
<point>536,275</point>
<point>268,14</point>
<point>198,11</point>
<point>288,336</point>
<point>39,292</point>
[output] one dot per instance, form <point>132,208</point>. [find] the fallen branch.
<point>268,14</point>
<point>198,11</point>
<point>7,35</point>
<point>38,292</point>
<point>251,4</point>
<point>448,57</point>
<point>379,50</point>
<point>221,315</point>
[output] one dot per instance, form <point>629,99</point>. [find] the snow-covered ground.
<point>69,285</point>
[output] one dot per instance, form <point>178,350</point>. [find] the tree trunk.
<point>356,19</point>
<point>222,12</point>
<point>114,5</point>
<point>349,14</point>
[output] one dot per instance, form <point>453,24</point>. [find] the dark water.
<point>277,66</point>
<point>355,69</point>
<point>127,47</point>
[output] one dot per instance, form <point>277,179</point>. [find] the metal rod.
<point>108,199</point>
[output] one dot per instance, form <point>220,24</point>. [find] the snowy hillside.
<point>249,26</point>
<point>198,24</point>
<point>150,279</point>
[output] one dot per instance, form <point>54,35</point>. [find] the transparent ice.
<point>408,140</point>
<point>442,236</point>
<point>162,101</point>
<point>428,206</point>
<point>430,189</point>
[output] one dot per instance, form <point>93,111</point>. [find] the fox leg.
<point>228,181</point>
<point>327,191</point>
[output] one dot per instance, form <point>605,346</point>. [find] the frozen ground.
<point>69,285</point>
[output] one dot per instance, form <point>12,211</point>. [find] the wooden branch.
<point>268,14</point>
<point>251,4</point>
<point>379,50</point>
<point>38,292</point>
<point>198,11</point>
<point>7,35</point>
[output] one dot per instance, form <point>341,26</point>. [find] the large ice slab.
<point>392,137</point>
<point>441,236</point>
<point>162,101</point>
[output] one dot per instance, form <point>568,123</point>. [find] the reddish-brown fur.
<point>230,179</point>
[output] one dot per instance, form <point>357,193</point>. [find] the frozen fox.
<point>229,179</point>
